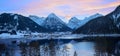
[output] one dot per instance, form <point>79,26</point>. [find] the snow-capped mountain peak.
<point>15,17</point>
<point>74,19</point>
<point>53,18</point>
<point>54,23</point>
<point>52,15</point>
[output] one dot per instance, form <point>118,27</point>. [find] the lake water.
<point>98,46</point>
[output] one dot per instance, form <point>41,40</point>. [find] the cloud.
<point>68,8</point>
<point>112,4</point>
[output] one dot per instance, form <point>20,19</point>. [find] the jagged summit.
<point>52,15</point>
<point>74,18</point>
<point>54,23</point>
<point>53,18</point>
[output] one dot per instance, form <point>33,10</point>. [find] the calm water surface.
<point>60,47</point>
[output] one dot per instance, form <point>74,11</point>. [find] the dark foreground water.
<point>91,46</point>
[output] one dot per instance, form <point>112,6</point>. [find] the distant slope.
<point>108,24</point>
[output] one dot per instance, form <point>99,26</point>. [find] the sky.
<point>62,8</point>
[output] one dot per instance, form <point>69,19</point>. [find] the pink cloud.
<point>77,7</point>
<point>112,4</point>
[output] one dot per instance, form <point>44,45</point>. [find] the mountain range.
<point>95,24</point>
<point>108,24</point>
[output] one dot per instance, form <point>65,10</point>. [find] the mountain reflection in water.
<point>98,46</point>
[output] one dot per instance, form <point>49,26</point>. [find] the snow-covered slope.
<point>53,23</point>
<point>88,19</point>
<point>38,20</point>
<point>73,22</point>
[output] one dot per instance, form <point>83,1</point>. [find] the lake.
<point>88,46</point>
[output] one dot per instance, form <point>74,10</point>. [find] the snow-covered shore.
<point>54,35</point>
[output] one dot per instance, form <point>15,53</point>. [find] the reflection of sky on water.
<point>82,48</point>
<point>63,49</point>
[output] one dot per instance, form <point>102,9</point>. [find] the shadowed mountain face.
<point>17,22</point>
<point>55,24</point>
<point>108,24</point>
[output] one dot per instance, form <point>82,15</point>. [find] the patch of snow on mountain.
<point>118,25</point>
<point>15,17</point>
<point>118,15</point>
